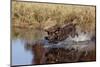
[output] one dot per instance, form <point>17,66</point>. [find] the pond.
<point>20,56</point>
<point>20,53</point>
<point>37,50</point>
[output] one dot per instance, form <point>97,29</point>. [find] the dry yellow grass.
<point>40,15</point>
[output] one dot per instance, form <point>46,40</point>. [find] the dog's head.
<point>52,33</point>
<point>59,33</point>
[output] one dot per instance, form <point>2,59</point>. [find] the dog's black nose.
<point>46,38</point>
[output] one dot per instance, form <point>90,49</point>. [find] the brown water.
<point>29,47</point>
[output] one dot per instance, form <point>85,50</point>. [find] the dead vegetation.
<point>30,19</point>
<point>37,16</point>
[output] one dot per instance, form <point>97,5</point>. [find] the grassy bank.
<point>37,16</point>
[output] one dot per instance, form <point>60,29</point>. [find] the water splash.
<point>81,37</point>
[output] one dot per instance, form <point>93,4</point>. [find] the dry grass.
<point>29,20</point>
<point>40,15</point>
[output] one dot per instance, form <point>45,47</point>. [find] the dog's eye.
<point>56,32</point>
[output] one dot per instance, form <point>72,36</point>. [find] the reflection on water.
<point>20,56</point>
<point>29,47</point>
<point>41,52</point>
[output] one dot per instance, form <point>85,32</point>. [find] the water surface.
<point>20,56</point>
